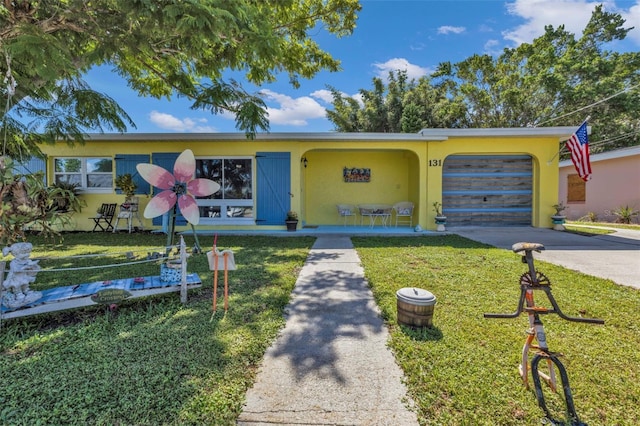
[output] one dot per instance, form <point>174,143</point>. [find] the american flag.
<point>578,145</point>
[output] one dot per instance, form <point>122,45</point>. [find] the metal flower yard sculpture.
<point>178,189</point>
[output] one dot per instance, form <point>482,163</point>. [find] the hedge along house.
<point>481,176</point>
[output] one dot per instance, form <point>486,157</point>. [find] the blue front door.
<point>273,187</point>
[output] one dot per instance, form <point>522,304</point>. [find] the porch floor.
<point>354,231</point>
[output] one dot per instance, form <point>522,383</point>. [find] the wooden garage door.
<point>487,189</point>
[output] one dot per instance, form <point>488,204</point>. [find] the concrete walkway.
<point>330,365</point>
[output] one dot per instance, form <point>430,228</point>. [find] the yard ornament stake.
<point>178,189</point>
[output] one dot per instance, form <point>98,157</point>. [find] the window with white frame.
<point>234,201</point>
<point>90,173</point>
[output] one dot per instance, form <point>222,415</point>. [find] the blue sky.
<point>414,35</point>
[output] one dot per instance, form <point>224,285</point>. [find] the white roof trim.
<point>609,155</point>
<point>562,132</point>
<point>324,136</point>
<point>424,135</point>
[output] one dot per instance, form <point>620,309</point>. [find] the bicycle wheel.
<point>559,404</point>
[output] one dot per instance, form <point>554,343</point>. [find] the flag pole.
<point>560,150</point>
<point>555,155</point>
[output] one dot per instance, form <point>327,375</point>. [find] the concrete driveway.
<point>613,256</point>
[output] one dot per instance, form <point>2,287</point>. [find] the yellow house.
<point>504,176</point>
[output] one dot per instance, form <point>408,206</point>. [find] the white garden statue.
<point>22,272</point>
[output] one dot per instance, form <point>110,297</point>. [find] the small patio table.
<point>375,211</point>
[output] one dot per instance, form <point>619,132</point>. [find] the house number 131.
<point>435,163</point>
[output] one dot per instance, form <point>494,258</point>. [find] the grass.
<point>587,230</point>
<point>614,225</point>
<point>155,361</point>
<point>597,228</point>
<point>464,370</point>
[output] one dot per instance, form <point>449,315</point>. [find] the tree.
<point>346,113</point>
<point>395,98</point>
<point>401,106</point>
<point>411,119</point>
<point>25,201</point>
<point>163,48</point>
<point>555,80</point>
<point>381,109</point>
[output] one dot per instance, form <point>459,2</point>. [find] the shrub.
<point>589,217</point>
<point>625,214</point>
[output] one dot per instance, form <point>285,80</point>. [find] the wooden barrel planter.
<point>415,307</point>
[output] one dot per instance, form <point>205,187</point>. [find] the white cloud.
<point>400,64</point>
<point>632,17</point>
<point>324,95</point>
<point>448,29</point>
<point>492,47</point>
<point>359,98</point>
<point>573,14</point>
<point>484,28</point>
<point>170,122</point>
<point>292,111</point>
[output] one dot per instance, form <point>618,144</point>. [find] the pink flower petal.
<point>202,187</point>
<point>156,176</point>
<point>160,204</point>
<point>185,166</point>
<point>189,209</point>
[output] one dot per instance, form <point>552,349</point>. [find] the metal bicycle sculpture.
<point>530,281</point>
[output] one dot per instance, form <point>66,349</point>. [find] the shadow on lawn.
<point>154,358</point>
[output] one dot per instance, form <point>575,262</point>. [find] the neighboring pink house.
<point>615,182</point>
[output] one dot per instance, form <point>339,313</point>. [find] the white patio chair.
<point>346,211</point>
<point>404,212</point>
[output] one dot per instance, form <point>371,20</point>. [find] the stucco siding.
<point>325,186</point>
<point>404,167</point>
<point>614,183</point>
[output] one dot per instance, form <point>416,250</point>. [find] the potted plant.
<point>441,219</point>
<point>291,220</point>
<point>126,184</point>
<point>63,195</point>
<point>558,218</point>
<point>128,187</point>
<point>25,201</point>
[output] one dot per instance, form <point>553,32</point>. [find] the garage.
<point>487,190</point>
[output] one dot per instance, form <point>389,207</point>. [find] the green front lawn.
<point>464,370</point>
<point>155,361</point>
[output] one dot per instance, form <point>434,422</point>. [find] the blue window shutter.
<point>273,187</point>
<point>31,166</point>
<point>166,160</point>
<point>127,164</point>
